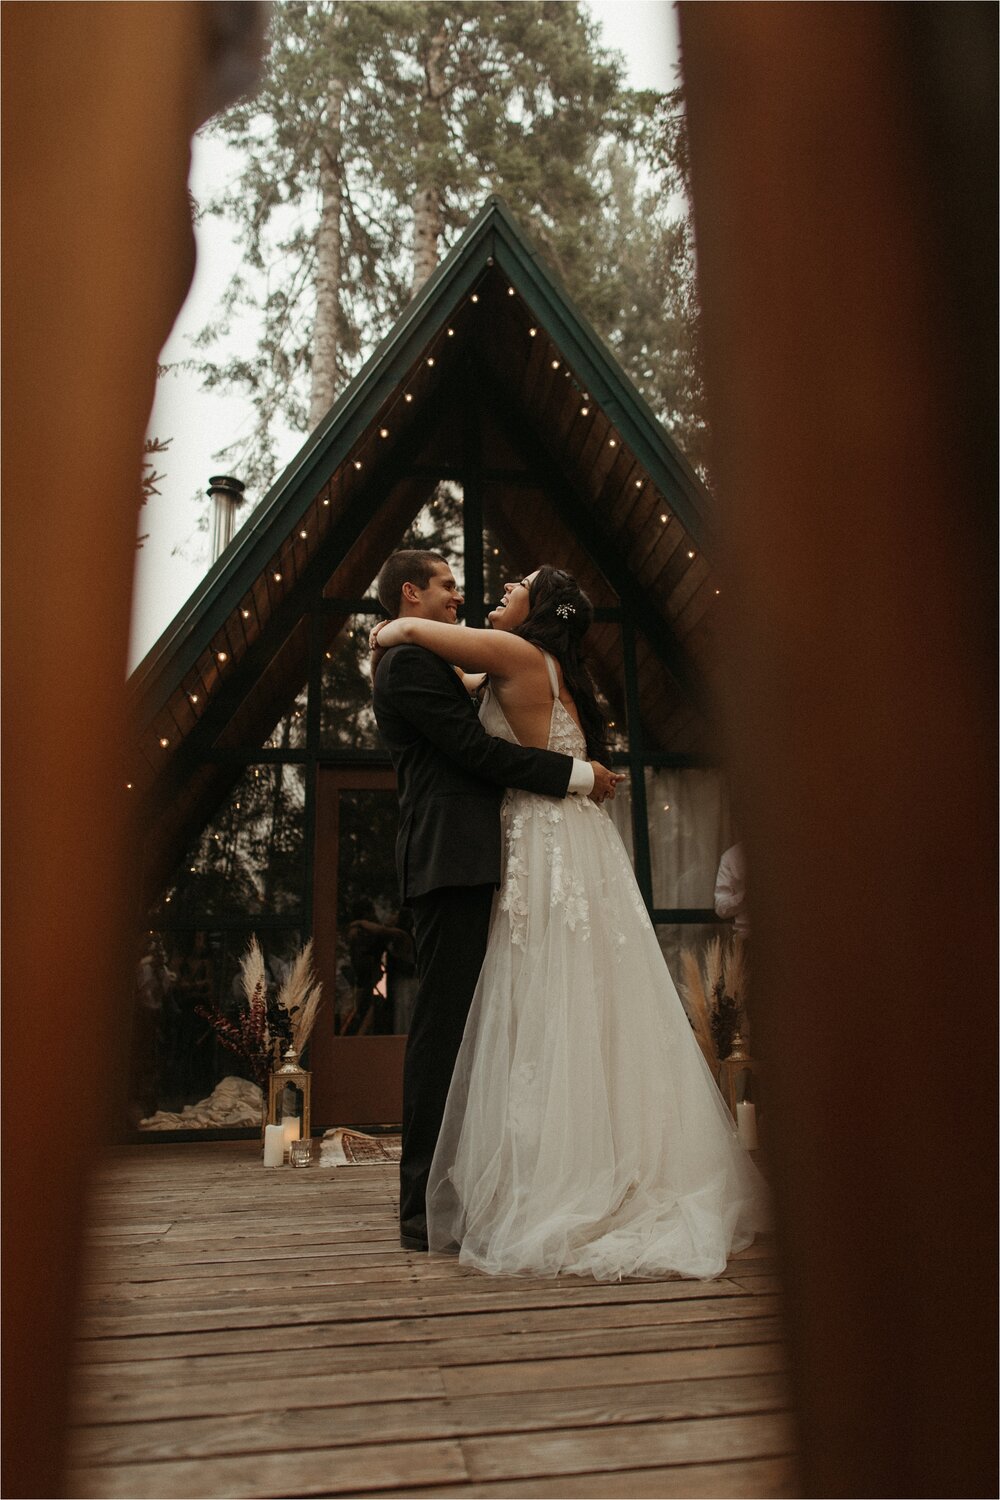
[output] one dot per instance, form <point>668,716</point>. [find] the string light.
<point>638,484</point>
<point>663,518</point>
<point>357,463</point>
<point>451,333</point>
<point>431,360</point>
<point>277,577</point>
<point>383,432</point>
<point>326,501</point>
<point>532,332</point>
<point>555,364</point>
<point>474,297</point>
<point>245,613</point>
<point>717,593</point>
<point>193,697</point>
<point>496,551</point>
<point>612,443</point>
<point>164,742</point>
<point>666,807</point>
<point>690,554</point>
<point>222,656</point>
<point>510,291</point>
<point>585,411</point>
<point>407,397</point>
<point>128,786</point>
<point>303,535</point>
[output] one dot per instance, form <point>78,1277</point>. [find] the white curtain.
<point>689,828</point>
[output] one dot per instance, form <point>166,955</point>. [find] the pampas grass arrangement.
<point>253,974</point>
<point>269,1024</point>
<point>698,1007</point>
<point>300,997</point>
<point>715,990</point>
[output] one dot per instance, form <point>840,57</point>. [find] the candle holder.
<point>300,1153</point>
<point>289,1098</point>
<point>733,1068</point>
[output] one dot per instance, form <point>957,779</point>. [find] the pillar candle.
<point>292,1128</point>
<point>274,1145</point>
<point>746,1120</point>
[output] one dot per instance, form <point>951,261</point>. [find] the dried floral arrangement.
<point>715,993</point>
<point>269,1022</point>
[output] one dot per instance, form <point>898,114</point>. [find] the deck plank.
<point>753,1479</point>
<point>277,1426</point>
<point>251,1333</point>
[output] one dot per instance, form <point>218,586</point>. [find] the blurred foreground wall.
<point>99,104</point>
<point>844,179</point>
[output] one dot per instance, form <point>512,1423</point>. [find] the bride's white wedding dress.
<point>583,1131</point>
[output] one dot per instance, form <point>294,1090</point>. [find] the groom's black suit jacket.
<point>450,773</point>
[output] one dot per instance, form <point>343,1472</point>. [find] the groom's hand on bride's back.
<point>605,782</point>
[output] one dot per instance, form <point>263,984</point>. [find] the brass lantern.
<point>289,1093</point>
<point>735,1071</point>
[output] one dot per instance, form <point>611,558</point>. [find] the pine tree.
<point>378,131</point>
<point>322,245</point>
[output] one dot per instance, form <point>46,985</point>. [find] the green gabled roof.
<point>492,240</point>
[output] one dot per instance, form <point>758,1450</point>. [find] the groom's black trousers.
<point>450,928</point>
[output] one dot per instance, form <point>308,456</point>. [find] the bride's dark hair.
<point>559,615</point>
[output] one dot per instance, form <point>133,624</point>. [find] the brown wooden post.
<point>843,165</point>
<point>99,104</point>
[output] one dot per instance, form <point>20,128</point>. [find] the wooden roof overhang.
<point>490,376</point>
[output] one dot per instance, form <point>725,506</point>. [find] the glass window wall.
<point>182,1078</point>
<point>346,718</point>
<point>290,731</point>
<point>689,828</point>
<point>250,858</point>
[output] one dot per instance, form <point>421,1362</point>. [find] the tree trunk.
<point>326,329</point>
<point>427,223</point>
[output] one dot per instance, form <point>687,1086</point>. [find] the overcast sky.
<point>175,557</point>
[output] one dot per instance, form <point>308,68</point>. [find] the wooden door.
<point>362,956</point>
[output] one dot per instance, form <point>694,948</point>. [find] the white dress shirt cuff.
<point>581,781</point>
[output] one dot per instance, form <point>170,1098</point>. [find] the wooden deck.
<point>260,1333</point>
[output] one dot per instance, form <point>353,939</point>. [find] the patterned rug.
<point>352,1148</point>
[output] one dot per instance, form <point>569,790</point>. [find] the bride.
<point>583,1131</point>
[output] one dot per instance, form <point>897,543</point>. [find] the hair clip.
<point>565,610</point>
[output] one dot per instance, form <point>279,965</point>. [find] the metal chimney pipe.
<point>226,495</point>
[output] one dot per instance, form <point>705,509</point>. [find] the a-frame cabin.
<point>264,800</point>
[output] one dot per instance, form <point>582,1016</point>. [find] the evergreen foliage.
<point>377,132</point>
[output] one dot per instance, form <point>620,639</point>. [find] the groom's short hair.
<point>404,567</point>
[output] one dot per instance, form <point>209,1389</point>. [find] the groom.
<point>450,777</point>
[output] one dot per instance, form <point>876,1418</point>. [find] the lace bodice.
<point>564,735</point>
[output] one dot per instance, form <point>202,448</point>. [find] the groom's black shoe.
<point>413,1234</point>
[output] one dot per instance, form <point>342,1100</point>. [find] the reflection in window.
<point>376,956</point>
<point>499,567</point>
<point>180,1077</point>
<point>689,827</point>
<point>290,731</point>
<point>605,662</point>
<point>346,718</point>
<point>249,859</point>
<point>437,527</point>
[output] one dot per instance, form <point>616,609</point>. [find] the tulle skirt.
<point>583,1131</point>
